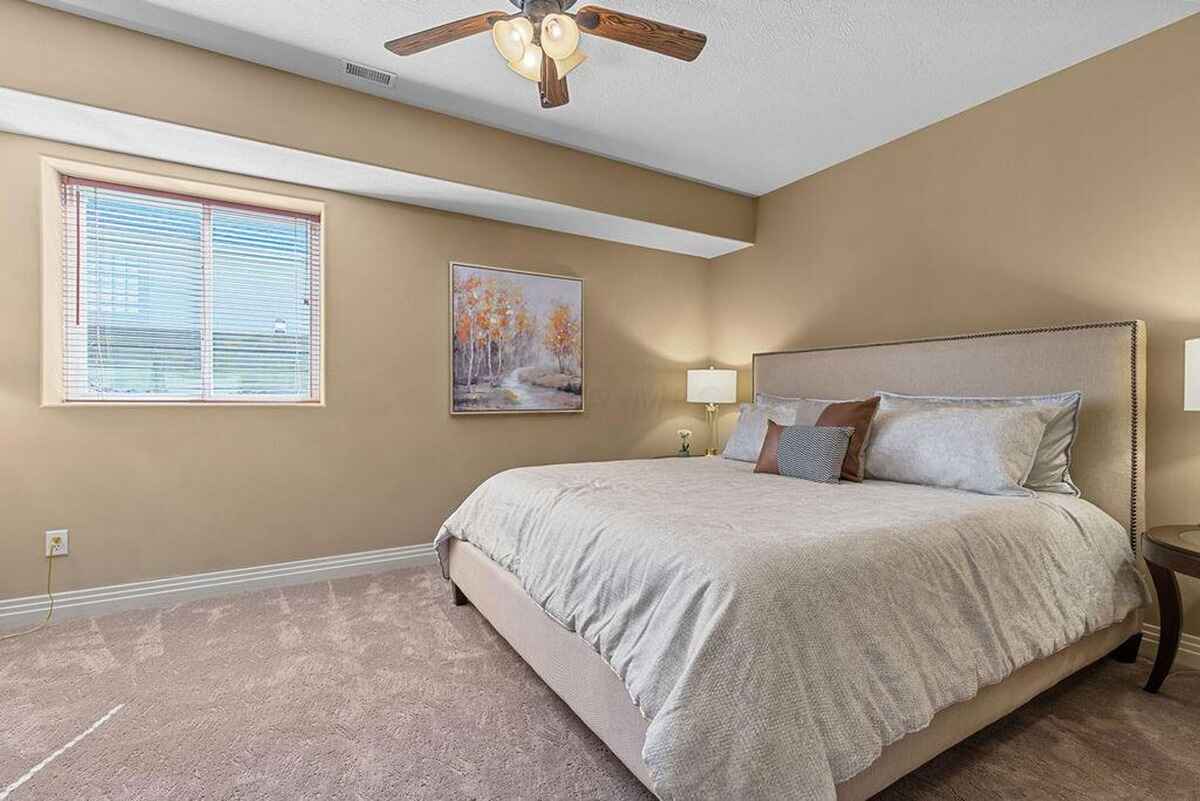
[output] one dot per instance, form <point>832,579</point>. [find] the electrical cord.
<point>49,611</point>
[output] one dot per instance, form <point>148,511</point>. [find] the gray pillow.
<point>807,410</point>
<point>986,449</point>
<point>747,439</point>
<point>1051,466</point>
<point>813,453</point>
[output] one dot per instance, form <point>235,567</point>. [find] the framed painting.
<point>516,341</point>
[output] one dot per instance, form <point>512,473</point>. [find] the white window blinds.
<point>174,298</point>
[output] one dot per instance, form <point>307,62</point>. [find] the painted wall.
<point>1077,198</point>
<point>1074,199</point>
<point>152,492</point>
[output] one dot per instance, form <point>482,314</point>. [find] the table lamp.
<point>712,387</point>
<point>1191,375</point>
<point>1191,403</point>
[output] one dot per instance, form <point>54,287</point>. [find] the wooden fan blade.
<point>640,32</point>
<point>444,34</point>
<point>552,88</point>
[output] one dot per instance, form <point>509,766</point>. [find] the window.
<point>171,298</point>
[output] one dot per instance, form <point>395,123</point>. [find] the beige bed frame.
<point>1104,360</point>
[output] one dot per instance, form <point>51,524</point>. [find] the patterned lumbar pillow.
<point>814,453</point>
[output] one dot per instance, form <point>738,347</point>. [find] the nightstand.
<point>1169,550</point>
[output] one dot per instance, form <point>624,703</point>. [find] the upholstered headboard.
<point>1105,361</point>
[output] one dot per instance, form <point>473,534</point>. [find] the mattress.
<point>777,635</point>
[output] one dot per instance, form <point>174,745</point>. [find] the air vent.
<point>365,73</point>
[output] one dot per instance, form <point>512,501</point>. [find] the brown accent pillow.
<point>768,457</point>
<point>853,414</point>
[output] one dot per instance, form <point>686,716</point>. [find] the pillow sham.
<point>813,453</point>
<point>858,415</point>
<point>746,441</point>
<point>1051,470</point>
<point>985,449</point>
<point>807,409</point>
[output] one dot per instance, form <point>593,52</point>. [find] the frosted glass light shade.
<point>565,65</point>
<point>560,36</point>
<point>524,28</point>
<point>530,65</point>
<point>508,40</point>
<point>1191,375</point>
<point>711,386</point>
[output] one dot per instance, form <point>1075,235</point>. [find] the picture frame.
<point>516,341</point>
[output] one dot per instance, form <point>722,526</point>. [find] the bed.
<point>733,635</point>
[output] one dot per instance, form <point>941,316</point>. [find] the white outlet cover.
<point>63,548</point>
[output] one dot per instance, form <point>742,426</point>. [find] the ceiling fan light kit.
<point>529,65</point>
<point>511,37</point>
<point>565,65</point>
<point>560,36</point>
<point>541,42</point>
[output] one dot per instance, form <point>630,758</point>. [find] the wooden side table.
<point>1169,550</point>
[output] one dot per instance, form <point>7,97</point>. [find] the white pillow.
<point>985,449</point>
<point>805,407</point>
<point>751,430</point>
<point>747,439</point>
<point>1051,471</point>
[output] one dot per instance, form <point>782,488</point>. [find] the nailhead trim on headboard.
<point>1134,432</point>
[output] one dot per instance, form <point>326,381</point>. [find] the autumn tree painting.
<point>562,335</point>
<point>517,341</point>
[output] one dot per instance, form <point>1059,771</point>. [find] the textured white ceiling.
<point>784,89</point>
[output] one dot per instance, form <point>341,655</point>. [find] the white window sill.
<point>190,404</point>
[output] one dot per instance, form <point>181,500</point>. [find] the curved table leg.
<point>1169,612</point>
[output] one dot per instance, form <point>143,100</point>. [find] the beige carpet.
<point>377,688</point>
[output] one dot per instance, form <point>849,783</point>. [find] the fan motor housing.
<point>563,5</point>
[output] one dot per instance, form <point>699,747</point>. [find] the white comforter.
<point>778,633</point>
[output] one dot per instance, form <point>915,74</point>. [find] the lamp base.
<point>710,411</point>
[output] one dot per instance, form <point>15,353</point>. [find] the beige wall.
<point>384,462</point>
<point>61,55</point>
<point>164,491</point>
<point>1077,198</point>
<point>1074,199</point>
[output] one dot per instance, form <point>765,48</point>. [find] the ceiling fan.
<point>541,41</point>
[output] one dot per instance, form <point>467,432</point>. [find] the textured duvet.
<point>779,633</point>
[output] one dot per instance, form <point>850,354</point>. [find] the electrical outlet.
<point>58,542</point>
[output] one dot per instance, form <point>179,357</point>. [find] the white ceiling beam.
<point>63,121</point>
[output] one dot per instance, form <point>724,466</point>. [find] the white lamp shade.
<point>1191,375</point>
<point>712,386</point>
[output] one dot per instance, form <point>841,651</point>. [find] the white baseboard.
<point>1189,647</point>
<point>30,610</point>
<point>19,612</point>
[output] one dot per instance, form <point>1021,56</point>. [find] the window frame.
<point>54,323</point>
